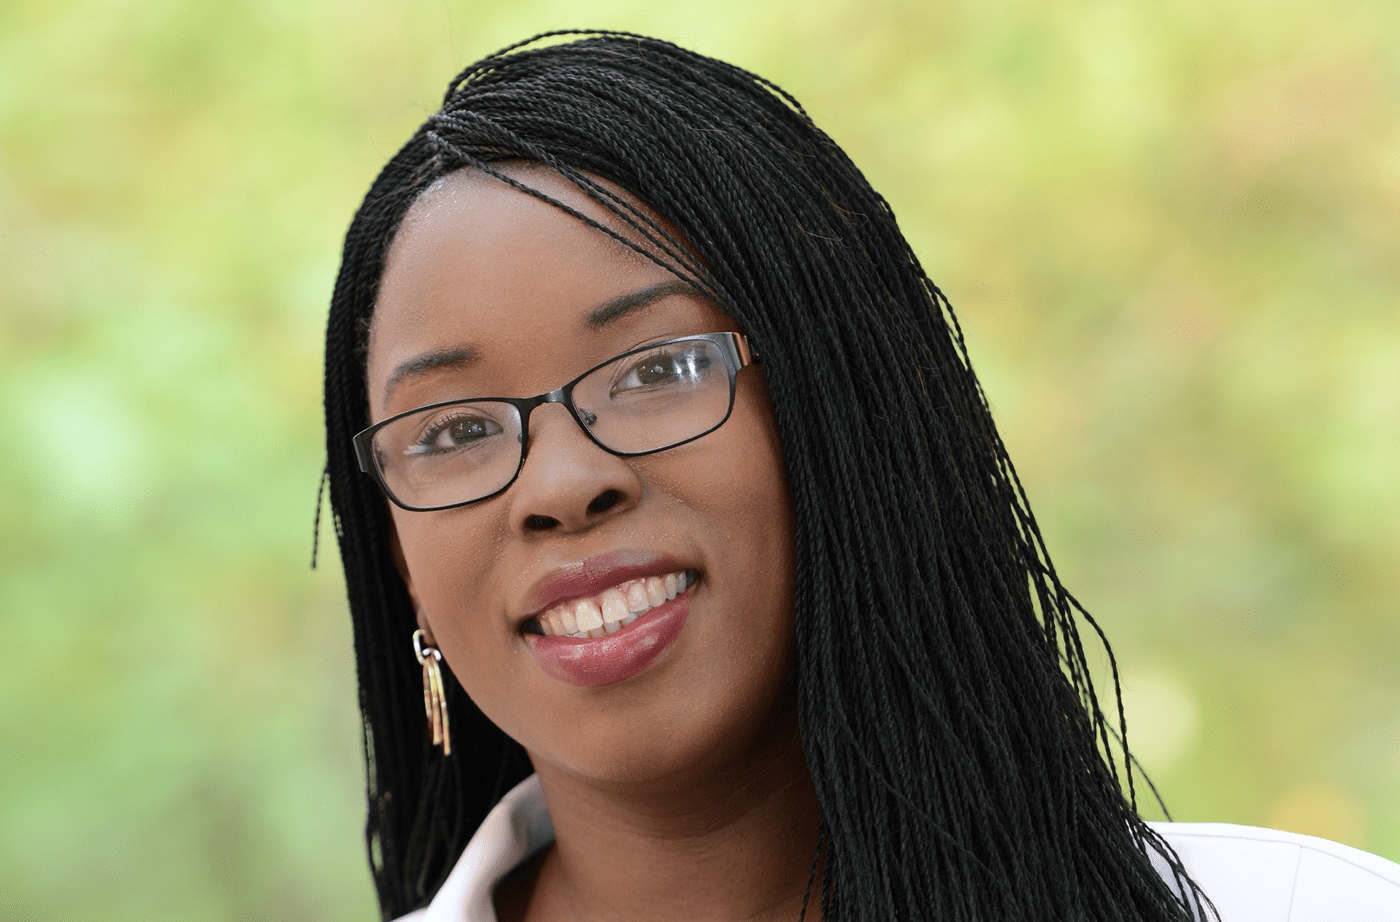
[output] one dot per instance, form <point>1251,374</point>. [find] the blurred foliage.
<point>1171,230</point>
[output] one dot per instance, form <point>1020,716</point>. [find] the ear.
<point>401,565</point>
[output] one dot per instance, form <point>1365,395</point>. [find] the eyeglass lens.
<point>636,404</point>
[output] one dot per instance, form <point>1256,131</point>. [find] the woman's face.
<point>489,292</point>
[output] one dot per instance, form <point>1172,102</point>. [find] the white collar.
<point>515,829</point>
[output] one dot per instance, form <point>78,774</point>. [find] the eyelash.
<point>433,431</point>
<point>671,356</point>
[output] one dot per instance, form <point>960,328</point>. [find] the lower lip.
<point>596,661</point>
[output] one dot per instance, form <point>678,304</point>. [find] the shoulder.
<point>1264,875</point>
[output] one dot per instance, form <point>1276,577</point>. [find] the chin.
<point>649,743</point>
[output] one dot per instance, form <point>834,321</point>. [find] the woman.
<point>750,586</point>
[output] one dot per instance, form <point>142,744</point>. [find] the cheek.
<point>737,490</point>
<point>463,566</point>
<point>453,559</point>
<point>760,502</point>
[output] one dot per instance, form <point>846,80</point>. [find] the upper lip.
<point>592,575</point>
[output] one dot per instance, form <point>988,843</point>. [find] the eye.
<point>461,429</point>
<point>673,366</point>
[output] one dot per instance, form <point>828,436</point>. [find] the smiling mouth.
<point>612,609</point>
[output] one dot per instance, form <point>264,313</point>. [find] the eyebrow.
<point>623,305</point>
<point>464,356</point>
<point>419,365</point>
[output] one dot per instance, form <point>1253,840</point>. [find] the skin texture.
<point>681,792</point>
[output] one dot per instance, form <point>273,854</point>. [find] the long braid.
<point>950,725</point>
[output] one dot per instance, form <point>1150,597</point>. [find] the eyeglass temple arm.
<point>364,453</point>
<point>747,355</point>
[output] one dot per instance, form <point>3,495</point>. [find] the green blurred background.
<point>1172,231</point>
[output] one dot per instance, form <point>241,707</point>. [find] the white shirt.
<point>1252,875</point>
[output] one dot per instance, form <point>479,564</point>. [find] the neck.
<point>704,844</point>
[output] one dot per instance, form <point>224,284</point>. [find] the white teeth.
<point>614,606</point>
<point>590,617</point>
<point>656,591</point>
<point>612,609</point>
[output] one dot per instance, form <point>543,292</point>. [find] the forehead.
<point>477,262</point>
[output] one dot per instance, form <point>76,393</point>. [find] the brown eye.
<point>686,366</point>
<point>462,431</point>
<point>653,373</point>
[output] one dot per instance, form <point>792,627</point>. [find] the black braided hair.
<point>961,758</point>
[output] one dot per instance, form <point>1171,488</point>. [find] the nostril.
<point>540,523</point>
<point>604,501</point>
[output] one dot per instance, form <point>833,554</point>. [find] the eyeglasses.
<point>640,402</point>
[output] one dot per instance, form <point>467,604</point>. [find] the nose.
<point>568,484</point>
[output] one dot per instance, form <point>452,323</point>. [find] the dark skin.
<point>681,792</point>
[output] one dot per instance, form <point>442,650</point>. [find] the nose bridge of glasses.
<point>562,395</point>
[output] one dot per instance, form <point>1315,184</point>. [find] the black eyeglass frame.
<point>734,347</point>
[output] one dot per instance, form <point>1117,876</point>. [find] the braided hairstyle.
<point>961,758</point>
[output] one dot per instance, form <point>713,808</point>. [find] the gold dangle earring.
<point>434,697</point>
